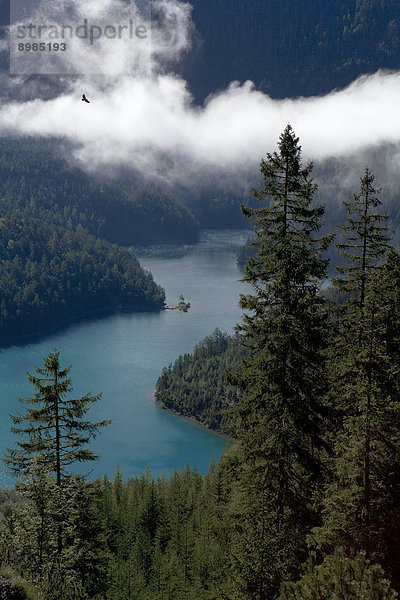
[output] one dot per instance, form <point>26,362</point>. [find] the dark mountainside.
<point>290,48</point>
<point>35,176</point>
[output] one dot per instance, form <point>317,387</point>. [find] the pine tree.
<point>341,578</point>
<point>366,241</point>
<point>281,419</point>
<point>56,435</point>
<point>365,368</point>
<point>56,431</point>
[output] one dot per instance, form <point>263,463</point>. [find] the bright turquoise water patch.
<point>122,356</point>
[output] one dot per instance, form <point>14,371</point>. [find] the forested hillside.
<point>34,177</point>
<point>57,223</point>
<point>196,385</point>
<point>37,176</point>
<point>287,48</point>
<point>55,264</point>
<point>50,275</point>
<point>305,505</point>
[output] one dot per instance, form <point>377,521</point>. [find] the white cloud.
<point>148,120</point>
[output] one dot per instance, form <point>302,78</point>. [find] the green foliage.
<point>365,485</point>
<point>49,275</point>
<point>244,253</point>
<point>168,539</point>
<point>7,500</point>
<point>280,419</point>
<point>56,434</point>
<point>341,578</point>
<point>30,534</point>
<point>317,375</point>
<point>365,241</point>
<point>196,385</point>
<point>54,534</point>
<point>36,179</point>
<point>313,377</point>
<point>21,588</point>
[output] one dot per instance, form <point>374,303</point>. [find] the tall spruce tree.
<point>55,431</point>
<point>366,368</point>
<point>280,421</point>
<point>366,241</point>
<point>55,435</point>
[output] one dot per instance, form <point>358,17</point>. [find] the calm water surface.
<point>122,356</point>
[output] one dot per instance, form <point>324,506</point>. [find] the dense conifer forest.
<point>196,386</point>
<point>39,177</point>
<point>50,275</point>
<point>304,505</point>
<point>56,227</point>
<point>36,177</point>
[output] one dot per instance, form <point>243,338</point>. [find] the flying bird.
<point>84,99</point>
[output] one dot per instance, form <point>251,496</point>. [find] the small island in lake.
<point>181,305</point>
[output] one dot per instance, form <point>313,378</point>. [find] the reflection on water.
<point>209,239</point>
<point>122,356</point>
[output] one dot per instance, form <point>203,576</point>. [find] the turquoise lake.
<point>122,356</point>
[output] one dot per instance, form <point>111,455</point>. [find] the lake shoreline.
<point>141,252</point>
<point>193,420</point>
<point>121,353</point>
<point>86,317</point>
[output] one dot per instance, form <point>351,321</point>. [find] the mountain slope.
<point>291,48</point>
